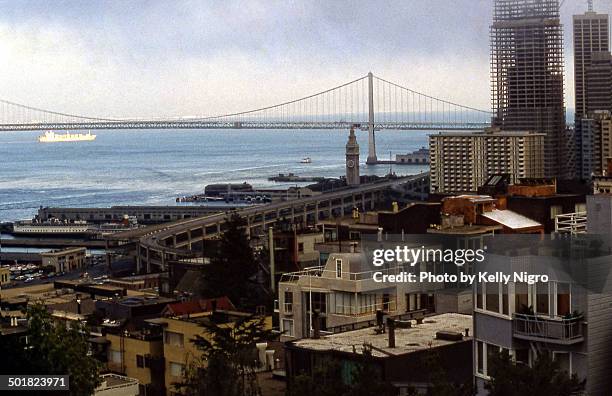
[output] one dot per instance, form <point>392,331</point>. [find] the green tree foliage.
<point>441,385</point>
<point>52,348</point>
<point>544,378</point>
<point>232,264</point>
<point>229,359</point>
<point>327,380</point>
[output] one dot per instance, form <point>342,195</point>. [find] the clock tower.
<point>352,159</point>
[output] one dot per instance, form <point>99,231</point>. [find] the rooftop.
<point>417,338</point>
<point>510,219</point>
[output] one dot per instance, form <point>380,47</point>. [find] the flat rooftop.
<point>417,338</point>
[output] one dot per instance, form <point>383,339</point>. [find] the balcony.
<point>552,330</point>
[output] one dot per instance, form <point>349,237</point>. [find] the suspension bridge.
<point>370,102</point>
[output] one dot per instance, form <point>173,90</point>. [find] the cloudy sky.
<point>150,58</point>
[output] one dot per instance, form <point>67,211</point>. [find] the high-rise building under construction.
<point>527,74</point>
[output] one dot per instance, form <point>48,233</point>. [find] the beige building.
<point>345,292</point>
<point>461,162</point>
<point>178,349</point>
<point>65,260</point>
<point>5,276</point>
<point>595,133</point>
<point>138,355</point>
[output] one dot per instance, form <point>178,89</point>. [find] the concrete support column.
<point>148,260</point>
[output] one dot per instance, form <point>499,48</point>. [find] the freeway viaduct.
<point>156,245</point>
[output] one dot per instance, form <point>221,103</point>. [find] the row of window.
<point>549,299</point>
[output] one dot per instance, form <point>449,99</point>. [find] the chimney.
<point>391,326</point>
<point>316,325</point>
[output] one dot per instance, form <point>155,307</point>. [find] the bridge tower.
<point>371,138</point>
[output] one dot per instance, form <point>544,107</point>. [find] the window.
<point>174,339</point>
<point>288,327</point>
<point>177,369</point>
<point>480,357</point>
<point>301,247</point>
<point>492,290</point>
<point>354,235</point>
<point>563,299</point>
<point>140,361</point>
<point>542,298</point>
<point>288,302</point>
<point>521,297</point>
<point>555,210</point>
<point>338,268</point>
<point>580,208</point>
<point>115,356</point>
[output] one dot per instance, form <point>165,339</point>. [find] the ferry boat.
<point>52,137</point>
<point>306,160</point>
<point>52,227</point>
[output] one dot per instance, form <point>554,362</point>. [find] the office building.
<point>463,162</point>
<point>595,131</point>
<point>591,35</point>
<point>527,75</point>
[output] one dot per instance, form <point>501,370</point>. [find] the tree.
<point>229,359</point>
<point>327,380</point>
<point>232,263</point>
<point>545,377</point>
<point>441,383</point>
<point>52,349</point>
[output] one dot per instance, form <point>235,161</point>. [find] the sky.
<point>129,58</point>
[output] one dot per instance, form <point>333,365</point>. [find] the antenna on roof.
<point>590,3</point>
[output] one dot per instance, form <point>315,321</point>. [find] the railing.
<point>321,272</point>
<point>573,223</point>
<point>363,310</point>
<point>563,331</point>
<point>411,315</point>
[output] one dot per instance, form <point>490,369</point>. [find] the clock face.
<point>350,163</point>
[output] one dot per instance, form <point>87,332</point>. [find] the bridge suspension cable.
<point>370,101</point>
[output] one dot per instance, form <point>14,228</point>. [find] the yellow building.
<point>179,350</point>
<point>5,276</point>
<point>65,260</point>
<point>138,355</point>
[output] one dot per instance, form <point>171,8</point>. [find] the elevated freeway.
<point>156,245</point>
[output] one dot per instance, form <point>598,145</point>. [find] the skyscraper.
<point>527,74</point>
<point>591,34</point>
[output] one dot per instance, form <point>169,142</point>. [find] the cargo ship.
<point>52,137</point>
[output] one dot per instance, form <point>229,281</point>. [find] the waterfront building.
<point>418,157</point>
<point>527,75</point>
<point>5,276</point>
<point>463,162</point>
<point>65,260</point>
